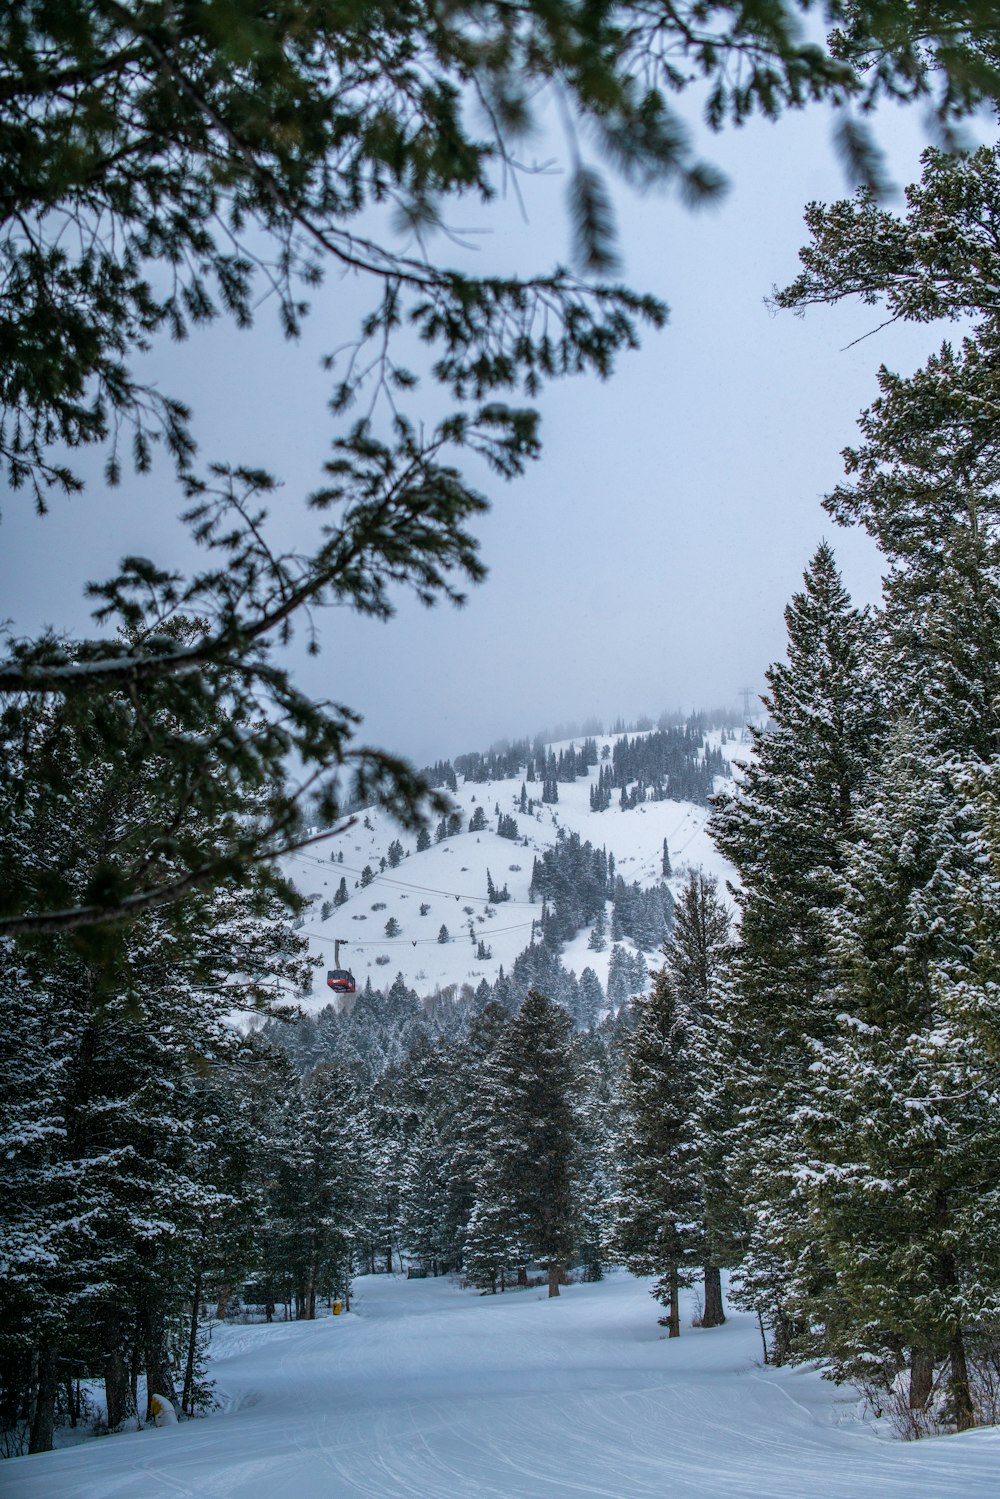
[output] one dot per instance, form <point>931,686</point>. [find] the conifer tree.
<point>534,1085</point>
<point>900,1125</point>
<point>596,942</point>
<point>620,977</point>
<point>696,958</point>
<point>659,1205</point>
<point>784,827</point>
<point>590,1000</point>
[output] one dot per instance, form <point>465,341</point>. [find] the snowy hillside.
<point>446,884</point>
<point>428,1392</point>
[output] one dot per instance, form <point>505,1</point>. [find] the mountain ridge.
<point>446,885</point>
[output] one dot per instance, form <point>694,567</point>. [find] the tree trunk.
<point>222,1301</point>
<point>116,1381</point>
<point>714,1314</point>
<point>187,1396</point>
<point>674,1312</point>
<point>159,1380</point>
<point>133,1376</point>
<point>921,1378</point>
<point>522,1275</point>
<point>44,1419</point>
<point>961,1395</point>
<point>388,1259</point>
<point>785,1333</point>
<point>763,1335</point>
<point>553,1280</point>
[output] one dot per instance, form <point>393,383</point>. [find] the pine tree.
<point>696,958</point>
<point>533,1085</point>
<point>785,828</point>
<point>590,1001</point>
<point>621,976</point>
<point>899,1126</point>
<point>659,1206</point>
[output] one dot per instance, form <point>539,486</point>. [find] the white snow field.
<point>426,1391</point>
<point>449,879</point>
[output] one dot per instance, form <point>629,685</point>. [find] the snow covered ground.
<point>449,879</point>
<point>426,1391</point>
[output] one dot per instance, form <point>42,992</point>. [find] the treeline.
<point>668,760</point>
<point>442,1158</point>
<point>507,1142</point>
<point>671,763</point>
<point>382,1027</point>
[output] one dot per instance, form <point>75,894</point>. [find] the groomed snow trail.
<point>425,1391</point>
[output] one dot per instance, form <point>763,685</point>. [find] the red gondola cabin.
<point>340,980</point>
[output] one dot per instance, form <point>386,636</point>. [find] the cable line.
<point>493,931</point>
<point>409,885</point>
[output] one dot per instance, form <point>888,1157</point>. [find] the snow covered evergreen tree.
<point>784,827</point>
<point>696,957</point>
<point>902,1118</point>
<point>533,1085</point>
<point>590,1000</point>
<point>659,1229</point>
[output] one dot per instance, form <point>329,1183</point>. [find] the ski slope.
<point>449,879</point>
<point>426,1391</point>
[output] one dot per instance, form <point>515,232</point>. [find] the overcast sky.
<point>645,561</point>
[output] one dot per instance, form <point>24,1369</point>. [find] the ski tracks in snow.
<point>428,1392</point>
